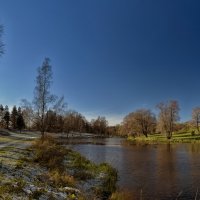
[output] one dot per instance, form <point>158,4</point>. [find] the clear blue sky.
<point>109,57</point>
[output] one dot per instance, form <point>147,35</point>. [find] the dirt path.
<point>18,140</point>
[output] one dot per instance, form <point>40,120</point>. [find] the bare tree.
<point>99,125</point>
<point>142,121</point>
<point>42,95</point>
<point>196,117</point>
<point>74,122</point>
<point>1,43</point>
<point>54,118</point>
<point>51,121</point>
<point>127,126</point>
<point>168,116</point>
<point>60,107</point>
<point>28,113</point>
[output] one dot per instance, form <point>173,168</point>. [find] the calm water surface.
<point>151,171</point>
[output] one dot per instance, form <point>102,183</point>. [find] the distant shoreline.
<point>185,137</point>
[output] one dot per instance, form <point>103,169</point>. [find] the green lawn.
<point>161,138</point>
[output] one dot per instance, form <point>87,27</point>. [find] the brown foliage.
<point>168,116</point>
<point>142,121</point>
<point>196,117</point>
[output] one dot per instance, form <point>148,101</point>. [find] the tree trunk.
<point>146,134</point>
<point>42,135</point>
<point>198,126</point>
<point>169,135</point>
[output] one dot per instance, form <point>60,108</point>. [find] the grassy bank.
<point>47,170</point>
<point>161,139</point>
<point>69,168</point>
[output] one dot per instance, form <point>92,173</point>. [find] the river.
<point>149,171</point>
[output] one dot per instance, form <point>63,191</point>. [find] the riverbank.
<point>50,171</point>
<point>161,139</point>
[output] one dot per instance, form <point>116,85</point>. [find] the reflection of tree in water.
<point>193,148</point>
<point>154,171</point>
<point>193,151</point>
<point>167,175</point>
<point>142,165</point>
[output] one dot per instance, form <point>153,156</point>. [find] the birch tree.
<point>42,94</point>
<point>28,113</point>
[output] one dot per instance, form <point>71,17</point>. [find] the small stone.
<point>70,189</point>
<point>43,197</point>
<point>62,195</point>
<point>27,191</point>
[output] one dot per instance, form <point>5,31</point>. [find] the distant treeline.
<point>145,122</point>
<point>24,117</point>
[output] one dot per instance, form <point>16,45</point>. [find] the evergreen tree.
<point>13,118</point>
<point>7,116</point>
<point>20,120</point>
<point>20,123</point>
<point>1,115</point>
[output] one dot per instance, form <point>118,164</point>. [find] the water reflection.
<point>160,172</point>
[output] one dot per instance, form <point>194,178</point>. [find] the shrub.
<point>50,154</point>
<point>61,179</point>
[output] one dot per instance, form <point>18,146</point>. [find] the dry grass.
<point>49,154</point>
<point>61,179</point>
<point>121,195</point>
